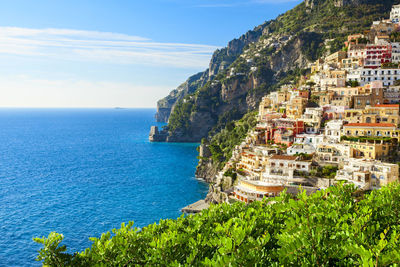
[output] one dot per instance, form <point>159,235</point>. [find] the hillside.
<point>251,66</point>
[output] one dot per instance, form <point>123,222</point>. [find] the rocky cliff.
<point>249,67</point>
<point>220,61</point>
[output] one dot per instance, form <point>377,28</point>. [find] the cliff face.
<point>220,61</point>
<point>251,66</point>
<point>165,105</point>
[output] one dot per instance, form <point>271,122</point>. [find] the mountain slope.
<point>276,50</point>
<point>221,59</point>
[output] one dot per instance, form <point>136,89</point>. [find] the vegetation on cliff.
<point>251,67</point>
<point>335,227</point>
<point>222,144</point>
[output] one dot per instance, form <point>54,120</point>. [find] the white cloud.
<point>103,47</point>
<point>25,91</point>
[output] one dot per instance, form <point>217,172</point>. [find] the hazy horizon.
<point>97,54</point>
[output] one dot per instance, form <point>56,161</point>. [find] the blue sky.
<point>95,53</point>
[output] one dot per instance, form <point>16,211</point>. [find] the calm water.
<point>83,172</point>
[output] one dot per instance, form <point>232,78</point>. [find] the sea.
<point>83,172</point>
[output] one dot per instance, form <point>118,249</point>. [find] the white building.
<point>354,75</point>
<point>333,130</point>
<point>395,52</point>
<point>368,174</point>
<point>312,119</point>
<point>300,149</point>
<point>309,139</point>
<point>395,14</point>
<point>387,76</point>
<point>280,168</point>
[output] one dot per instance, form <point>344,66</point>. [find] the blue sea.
<point>82,172</point>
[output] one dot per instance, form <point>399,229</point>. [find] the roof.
<point>387,106</point>
<point>284,157</point>
<point>370,125</point>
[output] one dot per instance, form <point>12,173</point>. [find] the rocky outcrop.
<point>220,61</point>
<point>156,135</point>
<point>166,105</point>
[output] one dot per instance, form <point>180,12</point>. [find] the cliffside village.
<point>342,124</point>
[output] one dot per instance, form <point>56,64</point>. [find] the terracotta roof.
<point>387,106</point>
<point>370,125</point>
<point>284,157</point>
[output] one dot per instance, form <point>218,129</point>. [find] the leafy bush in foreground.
<point>335,227</point>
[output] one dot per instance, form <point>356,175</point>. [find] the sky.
<point>119,53</point>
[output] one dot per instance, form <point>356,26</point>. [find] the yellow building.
<point>264,107</point>
<point>336,57</point>
<point>353,115</point>
<point>248,191</point>
<point>283,96</point>
<point>296,107</point>
<point>251,164</point>
<point>317,65</point>
<point>371,130</point>
<point>375,114</point>
<point>370,149</point>
<point>345,91</point>
<point>381,113</point>
<point>325,98</point>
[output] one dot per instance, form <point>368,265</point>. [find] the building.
<point>312,120</point>
<point>333,130</point>
<point>296,149</point>
<point>376,55</point>
<point>395,52</point>
<point>345,91</point>
<point>357,52</point>
<point>251,164</point>
<point>368,174</point>
<point>334,112</point>
<point>395,14</point>
<point>332,154</point>
<point>376,97</point>
<point>248,191</point>
<point>386,113</point>
<point>380,28</point>
<point>342,100</point>
<point>353,39</point>
<point>284,136</point>
<point>325,98</point>
<point>336,58</point>
<point>371,149</point>
<point>371,130</point>
<point>309,139</point>
<point>280,168</point>
<point>391,95</point>
<point>296,107</point>
<point>387,76</point>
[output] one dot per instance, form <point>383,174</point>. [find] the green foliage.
<point>179,119</point>
<point>327,171</point>
<point>395,37</point>
<point>231,173</point>
<point>328,228</point>
<point>353,83</point>
<point>222,144</point>
<point>52,254</point>
<point>390,65</point>
<point>312,44</point>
